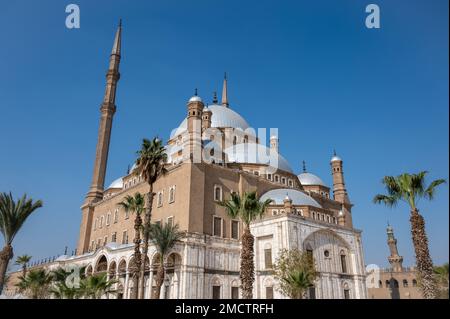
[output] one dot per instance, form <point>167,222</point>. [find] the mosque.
<point>212,153</point>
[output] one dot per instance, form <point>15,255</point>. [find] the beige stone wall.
<point>384,292</point>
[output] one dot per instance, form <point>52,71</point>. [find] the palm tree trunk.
<point>159,281</point>
<point>423,259</point>
<point>5,256</point>
<point>247,273</point>
<point>147,220</point>
<point>137,256</point>
<point>24,270</point>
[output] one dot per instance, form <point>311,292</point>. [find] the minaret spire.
<point>107,111</point>
<point>225,92</point>
<point>304,167</point>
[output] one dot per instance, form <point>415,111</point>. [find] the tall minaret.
<point>193,151</point>
<point>340,193</point>
<point>395,260</point>
<point>225,92</point>
<point>107,110</point>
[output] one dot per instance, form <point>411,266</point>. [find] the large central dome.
<point>221,117</point>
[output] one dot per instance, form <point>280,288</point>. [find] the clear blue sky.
<point>309,68</point>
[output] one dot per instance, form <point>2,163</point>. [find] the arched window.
<point>246,139</point>
<point>388,283</point>
<point>234,140</point>
<point>160,199</point>
<point>217,193</point>
<point>405,283</point>
<point>395,283</point>
<point>346,291</point>
<point>172,194</point>
<point>380,284</point>
<point>102,265</point>
<point>414,283</point>
<point>101,221</point>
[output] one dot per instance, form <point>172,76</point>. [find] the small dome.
<point>298,198</point>
<point>195,98</point>
<point>221,117</point>
<point>307,179</point>
<point>336,158</point>
<point>206,109</point>
<point>118,183</point>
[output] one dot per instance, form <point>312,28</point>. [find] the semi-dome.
<point>307,179</point>
<point>298,198</point>
<point>253,153</point>
<point>221,117</point>
<point>118,183</point>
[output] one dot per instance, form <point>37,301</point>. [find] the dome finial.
<point>334,152</point>
<point>215,100</point>
<point>304,167</point>
<point>196,92</point>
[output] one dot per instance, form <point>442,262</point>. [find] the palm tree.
<point>299,281</point>
<point>36,283</point>
<point>23,261</point>
<point>12,216</point>
<point>94,287</point>
<point>164,237</point>
<point>135,205</point>
<point>150,165</point>
<point>409,188</point>
<point>62,287</point>
<point>247,208</point>
<point>295,271</point>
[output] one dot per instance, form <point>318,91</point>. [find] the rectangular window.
<point>312,292</point>
<point>235,229</point>
<point>125,237</point>
<point>95,223</point>
<point>269,177</point>
<point>343,264</point>
<point>105,240</point>
<point>108,219</point>
<point>283,180</point>
<point>217,227</point>
<point>170,221</point>
<point>216,292</point>
<point>309,253</point>
<point>277,178</point>
<point>114,237</point>
<point>116,216</point>
<point>268,258</point>
<point>269,292</point>
<point>99,242</point>
<point>346,294</point>
<point>92,245</point>
<point>127,214</point>
<point>234,292</point>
